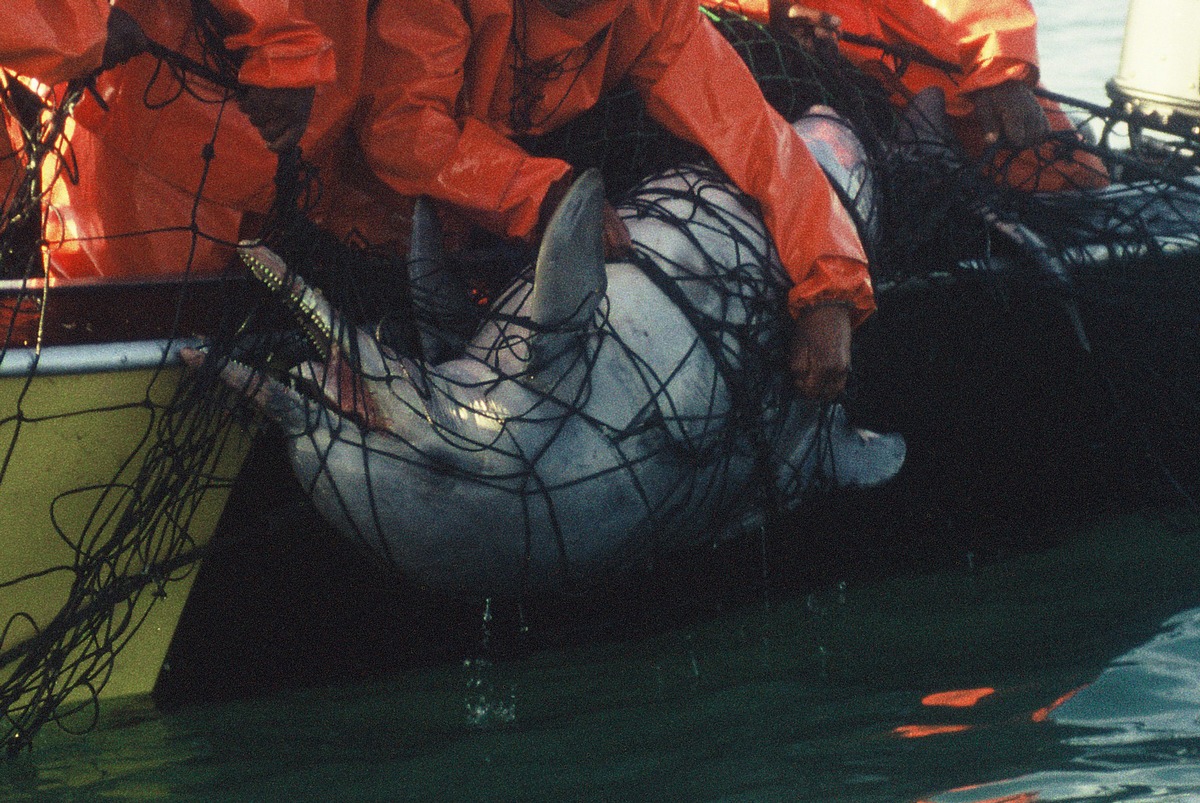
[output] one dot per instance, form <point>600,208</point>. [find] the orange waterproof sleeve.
<point>416,141</point>
<point>283,49</point>
<point>53,41</point>
<point>705,94</point>
<point>993,40</point>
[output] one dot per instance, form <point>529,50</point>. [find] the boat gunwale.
<point>91,358</point>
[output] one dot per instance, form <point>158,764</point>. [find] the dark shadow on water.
<point>1016,445</point>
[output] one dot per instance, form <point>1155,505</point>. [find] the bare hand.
<point>280,115</point>
<point>126,39</point>
<point>817,31</point>
<point>820,351</point>
<point>1010,114</point>
<point>617,242</point>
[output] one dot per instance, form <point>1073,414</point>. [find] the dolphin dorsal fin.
<point>441,308</point>
<point>569,279</point>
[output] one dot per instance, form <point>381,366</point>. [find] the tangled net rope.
<point>1118,266</point>
<point>166,443</point>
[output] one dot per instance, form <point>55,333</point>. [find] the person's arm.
<point>284,58</point>
<point>995,44</point>
<point>282,49</point>
<point>706,95</point>
<point>418,144</point>
<point>994,41</point>
<point>698,87</point>
<point>55,41</point>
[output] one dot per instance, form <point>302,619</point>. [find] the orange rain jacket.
<point>992,41</point>
<point>444,130</point>
<point>52,41</point>
<point>141,162</point>
<point>55,40</point>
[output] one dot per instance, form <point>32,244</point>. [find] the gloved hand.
<point>819,359</point>
<point>280,115</point>
<point>126,39</point>
<point>1010,114</point>
<point>817,31</point>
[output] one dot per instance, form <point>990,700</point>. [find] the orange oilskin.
<point>483,70</point>
<point>53,40</point>
<point>425,99</point>
<point>140,145</point>
<point>989,41</point>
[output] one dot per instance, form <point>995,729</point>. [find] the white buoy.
<point>1159,73</point>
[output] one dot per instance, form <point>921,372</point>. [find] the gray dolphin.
<point>601,414</point>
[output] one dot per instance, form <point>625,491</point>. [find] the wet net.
<point>115,461</point>
<point>966,261</point>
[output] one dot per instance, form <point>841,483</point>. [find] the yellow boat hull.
<point>109,488</point>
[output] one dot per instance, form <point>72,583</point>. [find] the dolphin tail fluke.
<point>831,452</point>
<point>832,142</point>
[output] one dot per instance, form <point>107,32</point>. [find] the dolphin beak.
<point>308,306</point>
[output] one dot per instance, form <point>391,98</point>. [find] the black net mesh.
<point>955,248</point>
<point>115,461</point>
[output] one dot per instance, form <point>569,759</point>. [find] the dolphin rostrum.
<point>601,414</point>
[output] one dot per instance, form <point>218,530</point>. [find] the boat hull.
<point>114,471</point>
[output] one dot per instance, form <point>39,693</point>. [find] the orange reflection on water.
<point>1020,797</point>
<point>1041,714</point>
<point>918,731</point>
<point>957,698</point>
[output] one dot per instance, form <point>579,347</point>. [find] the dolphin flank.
<point>601,414</point>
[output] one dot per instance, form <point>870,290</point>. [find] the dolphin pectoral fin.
<point>569,279</point>
<point>443,312</point>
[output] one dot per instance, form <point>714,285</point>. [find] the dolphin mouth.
<point>332,380</point>
<point>306,305</point>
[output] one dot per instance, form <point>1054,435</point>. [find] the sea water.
<point>1079,45</point>
<point>1071,673</point>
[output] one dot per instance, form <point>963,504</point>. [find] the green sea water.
<point>825,698</point>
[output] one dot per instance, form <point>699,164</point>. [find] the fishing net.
<point>115,462</point>
<point>1071,308</point>
<point>979,282</point>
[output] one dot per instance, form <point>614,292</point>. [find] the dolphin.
<point>600,415</point>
